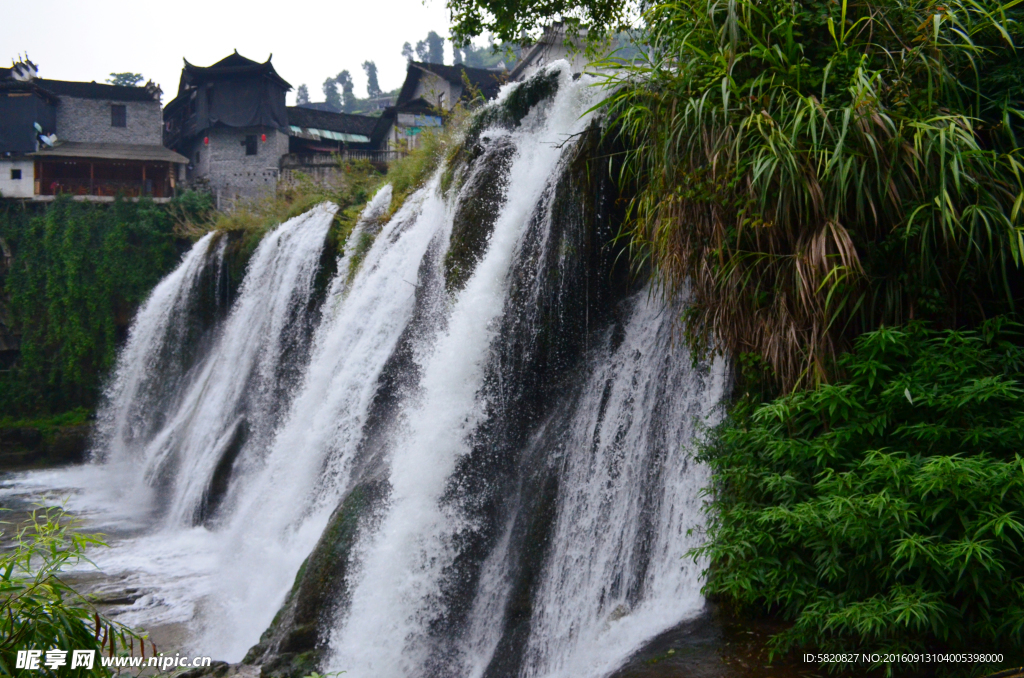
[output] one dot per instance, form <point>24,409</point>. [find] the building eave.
<point>87,151</point>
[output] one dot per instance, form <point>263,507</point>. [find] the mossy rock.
<point>293,645</point>
<point>516,105</point>
<point>217,669</point>
<point>291,665</point>
<point>479,205</point>
<point>508,114</point>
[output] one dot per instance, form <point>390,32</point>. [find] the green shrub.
<point>885,511</point>
<point>39,610</point>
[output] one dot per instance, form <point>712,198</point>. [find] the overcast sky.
<point>311,40</point>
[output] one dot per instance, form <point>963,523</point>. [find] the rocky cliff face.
<point>26,447</point>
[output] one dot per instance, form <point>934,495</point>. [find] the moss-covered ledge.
<point>295,642</point>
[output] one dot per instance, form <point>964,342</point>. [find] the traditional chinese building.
<point>231,122</point>
<point>431,89</point>
<point>86,139</point>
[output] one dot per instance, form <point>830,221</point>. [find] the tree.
<point>456,54</point>
<point>435,48</point>
<point>331,96</point>
<point>489,56</point>
<point>348,98</point>
<point>421,50</point>
<point>302,95</point>
<point>125,79</point>
<point>509,21</point>
<point>372,87</point>
<point>407,51</point>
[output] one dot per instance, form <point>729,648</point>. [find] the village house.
<point>90,140</point>
<point>431,89</point>
<point>552,46</point>
<point>231,121</point>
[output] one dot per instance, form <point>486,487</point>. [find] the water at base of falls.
<point>467,455</point>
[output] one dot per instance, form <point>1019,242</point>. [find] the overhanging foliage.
<point>812,170</point>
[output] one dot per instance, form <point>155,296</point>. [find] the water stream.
<point>479,428</point>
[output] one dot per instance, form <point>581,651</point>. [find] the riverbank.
<point>45,441</point>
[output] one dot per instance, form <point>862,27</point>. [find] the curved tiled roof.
<point>29,86</point>
<point>232,64</point>
<point>76,149</point>
<point>94,90</point>
<point>346,123</point>
<point>487,81</point>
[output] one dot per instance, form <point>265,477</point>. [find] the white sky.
<point>310,40</point>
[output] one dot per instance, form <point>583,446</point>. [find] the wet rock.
<point>25,448</point>
<point>480,204</point>
<point>293,646</point>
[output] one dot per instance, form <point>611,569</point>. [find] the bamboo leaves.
<point>866,518</point>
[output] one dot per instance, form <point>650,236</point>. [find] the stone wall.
<point>17,188</point>
<point>88,120</point>
<point>228,172</point>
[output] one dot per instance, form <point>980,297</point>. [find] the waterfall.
<point>180,421</point>
<point>464,454</point>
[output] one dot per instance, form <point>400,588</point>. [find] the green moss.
<point>516,105</point>
<point>362,246</point>
<point>292,646</point>
<point>475,217</point>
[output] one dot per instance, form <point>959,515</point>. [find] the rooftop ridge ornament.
<point>154,90</point>
<point>23,70</point>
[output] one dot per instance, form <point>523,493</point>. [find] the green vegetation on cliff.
<point>76,274</point>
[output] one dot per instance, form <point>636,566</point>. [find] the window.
<point>250,144</point>
<point>15,174</point>
<point>118,115</point>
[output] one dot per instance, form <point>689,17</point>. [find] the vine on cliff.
<point>77,273</point>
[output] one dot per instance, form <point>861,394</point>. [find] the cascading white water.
<point>284,504</point>
<point>401,563</point>
<point>136,390</point>
<point>404,378</point>
<point>630,493</point>
<point>236,383</point>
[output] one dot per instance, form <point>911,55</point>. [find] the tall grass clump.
<point>884,511</point>
<point>808,171</point>
<point>437,146</point>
